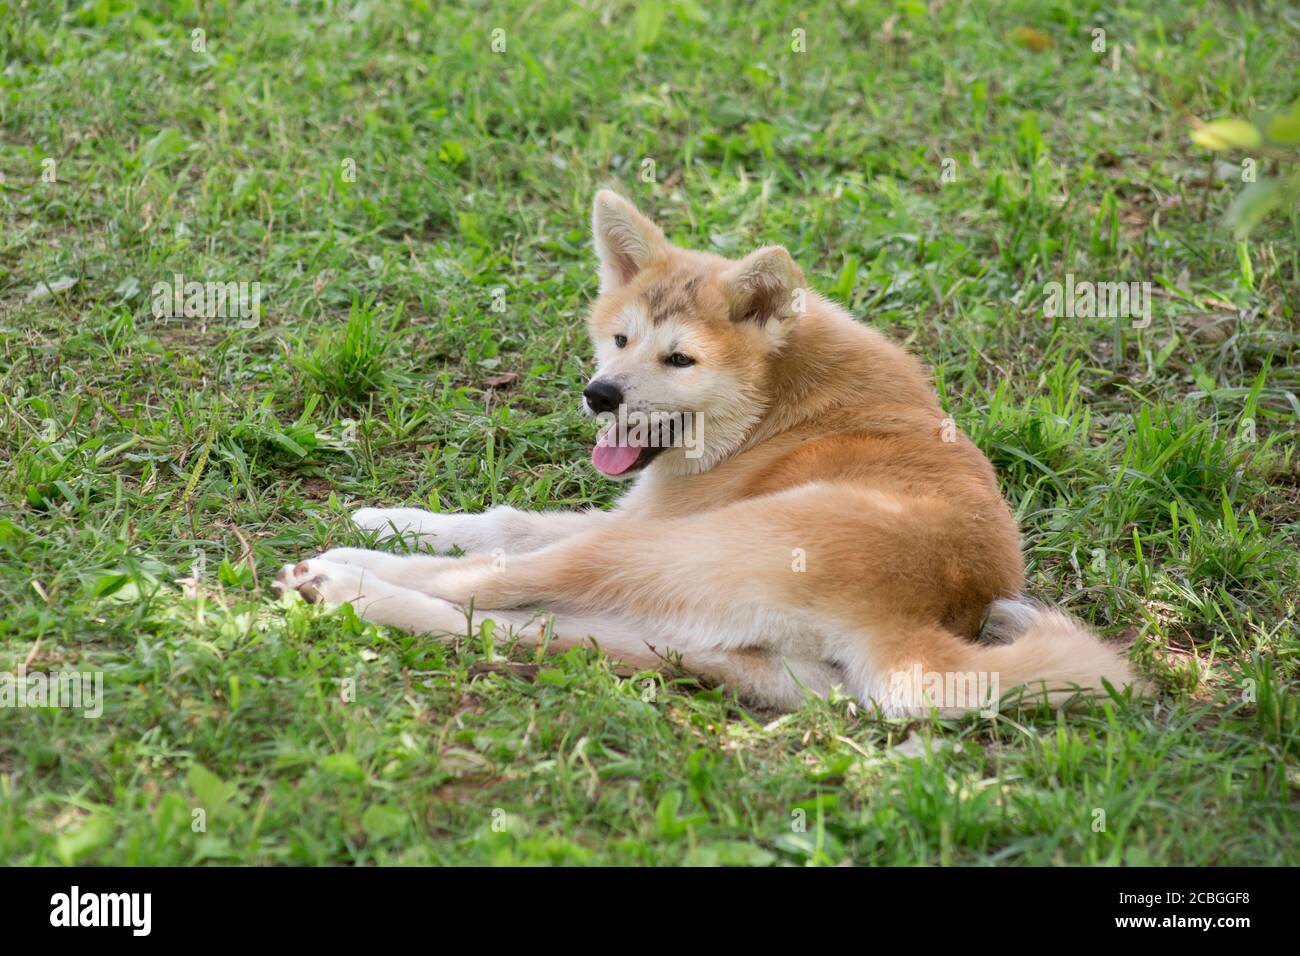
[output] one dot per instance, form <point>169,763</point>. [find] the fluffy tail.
<point>1052,656</point>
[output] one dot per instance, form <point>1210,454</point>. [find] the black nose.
<point>602,396</point>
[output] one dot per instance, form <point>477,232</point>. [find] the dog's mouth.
<point>618,461</point>
<point>622,451</point>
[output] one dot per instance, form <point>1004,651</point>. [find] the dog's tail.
<point>1055,659</point>
<point>1048,651</point>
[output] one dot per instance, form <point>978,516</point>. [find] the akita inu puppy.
<point>829,527</point>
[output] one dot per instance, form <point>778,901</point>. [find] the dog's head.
<point>684,343</point>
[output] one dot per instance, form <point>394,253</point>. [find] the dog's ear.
<point>766,287</point>
<point>625,240</point>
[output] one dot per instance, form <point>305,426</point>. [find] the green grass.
<point>397,304</point>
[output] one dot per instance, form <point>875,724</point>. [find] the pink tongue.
<point>613,459</point>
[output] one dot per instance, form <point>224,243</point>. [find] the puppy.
<point>801,514</point>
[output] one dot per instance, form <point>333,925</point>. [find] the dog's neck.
<point>832,363</point>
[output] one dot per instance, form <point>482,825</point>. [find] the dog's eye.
<point>620,340</point>
<point>678,360</point>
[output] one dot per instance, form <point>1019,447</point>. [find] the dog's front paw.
<point>321,582</point>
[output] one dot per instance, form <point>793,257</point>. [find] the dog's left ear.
<point>766,287</point>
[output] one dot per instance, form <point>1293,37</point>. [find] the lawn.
<point>409,184</point>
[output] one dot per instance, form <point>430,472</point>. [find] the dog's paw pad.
<point>317,581</point>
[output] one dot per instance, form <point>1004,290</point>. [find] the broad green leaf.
<point>1252,204</point>
<point>381,821</point>
<point>344,765</point>
<point>1227,133</point>
<point>452,153</point>
<point>647,23</point>
<point>737,853</point>
<point>164,146</point>
<point>666,821</point>
<point>95,832</point>
<point>1285,130</point>
<point>211,791</point>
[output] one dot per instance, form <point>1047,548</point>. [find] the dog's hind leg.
<point>771,573</point>
<point>502,528</point>
<point>752,673</point>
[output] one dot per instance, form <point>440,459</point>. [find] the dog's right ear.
<point>625,240</point>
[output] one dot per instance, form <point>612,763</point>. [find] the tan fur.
<point>835,532</point>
